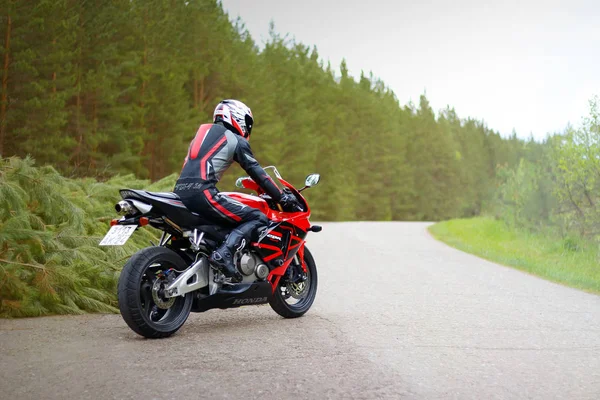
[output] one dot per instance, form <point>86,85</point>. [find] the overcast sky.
<point>531,65</point>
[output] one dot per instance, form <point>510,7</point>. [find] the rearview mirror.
<point>312,180</point>
<point>238,182</point>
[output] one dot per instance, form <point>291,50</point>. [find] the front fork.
<point>287,272</point>
<point>301,257</point>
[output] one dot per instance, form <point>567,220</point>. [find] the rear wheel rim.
<point>158,315</point>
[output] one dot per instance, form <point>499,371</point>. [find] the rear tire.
<point>278,301</point>
<point>138,307</point>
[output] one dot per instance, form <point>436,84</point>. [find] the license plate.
<point>118,235</point>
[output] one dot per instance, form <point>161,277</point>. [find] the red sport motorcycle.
<point>160,285</point>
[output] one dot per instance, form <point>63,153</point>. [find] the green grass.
<point>572,262</point>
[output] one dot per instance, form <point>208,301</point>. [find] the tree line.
<point>555,187</point>
<point>119,87</point>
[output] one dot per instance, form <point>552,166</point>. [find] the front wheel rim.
<point>297,295</point>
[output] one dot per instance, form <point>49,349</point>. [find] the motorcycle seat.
<point>164,195</point>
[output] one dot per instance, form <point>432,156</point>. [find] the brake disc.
<point>161,302</point>
<point>297,290</point>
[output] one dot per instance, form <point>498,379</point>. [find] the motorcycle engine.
<point>250,264</point>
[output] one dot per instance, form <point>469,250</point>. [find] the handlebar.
<point>297,207</point>
<point>248,183</point>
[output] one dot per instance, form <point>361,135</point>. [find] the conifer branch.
<point>23,264</point>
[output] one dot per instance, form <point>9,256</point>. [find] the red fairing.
<point>300,219</point>
<point>284,240</point>
<point>248,183</point>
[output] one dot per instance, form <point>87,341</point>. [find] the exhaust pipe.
<point>124,208</point>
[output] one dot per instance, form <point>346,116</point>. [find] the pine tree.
<point>49,230</point>
<point>120,87</point>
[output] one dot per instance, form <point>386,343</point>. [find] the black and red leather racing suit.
<point>212,151</point>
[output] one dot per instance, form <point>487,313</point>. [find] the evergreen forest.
<point>100,88</point>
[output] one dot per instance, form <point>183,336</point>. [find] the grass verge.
<point>571,262</point>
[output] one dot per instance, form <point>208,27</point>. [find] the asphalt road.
<point>397,315</point>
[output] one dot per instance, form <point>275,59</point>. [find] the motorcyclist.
<point>211,152</point>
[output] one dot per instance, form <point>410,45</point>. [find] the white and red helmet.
<point>236,116</point>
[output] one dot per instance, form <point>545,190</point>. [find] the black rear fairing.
<point>168,205</point>
<point>170,215</point>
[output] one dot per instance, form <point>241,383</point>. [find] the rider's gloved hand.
<point>289,203</point>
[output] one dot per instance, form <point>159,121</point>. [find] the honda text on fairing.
<point>160,285</point>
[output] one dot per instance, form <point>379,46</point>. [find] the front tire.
<point>142,308</point>
<point>305,296</point>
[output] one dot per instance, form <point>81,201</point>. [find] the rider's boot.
<point>222,258</point>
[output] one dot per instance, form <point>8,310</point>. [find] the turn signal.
<point>144,221</point>
<point>114,222</point>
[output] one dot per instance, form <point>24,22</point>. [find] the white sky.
<point>531,65</point>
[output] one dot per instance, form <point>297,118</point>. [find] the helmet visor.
<point>249,123</point>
